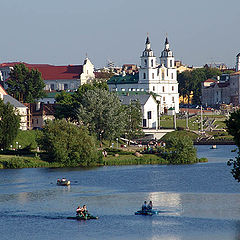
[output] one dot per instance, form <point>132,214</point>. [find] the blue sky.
<point>62,31</point>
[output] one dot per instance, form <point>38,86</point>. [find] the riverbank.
<point>14,161</point>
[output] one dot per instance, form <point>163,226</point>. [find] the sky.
<point>62,32</point>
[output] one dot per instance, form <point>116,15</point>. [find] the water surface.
<point>199,201</point>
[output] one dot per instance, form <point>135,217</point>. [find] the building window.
<point>170,63</point>
<point>149,114</point>
<point>163,89</point>
<point>144,122</point>
<point>152,62</point>
<point>163,99</point>
<point>172,75</point>
<point>65,86</point>
<point>144,75</point>
<point>152,75</point>
<point>172,88</point>
<point>153,88</point>
<point>162,74</point>
<point>52,86</point>
<point>173,99</point>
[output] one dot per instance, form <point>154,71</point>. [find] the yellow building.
<point>184,100</point>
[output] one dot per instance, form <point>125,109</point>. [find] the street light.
<point>117,142</point>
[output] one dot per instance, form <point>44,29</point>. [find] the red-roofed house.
<point>56,77</point>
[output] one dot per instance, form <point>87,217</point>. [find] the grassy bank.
<point>13,161</point>
<point>133,160</point>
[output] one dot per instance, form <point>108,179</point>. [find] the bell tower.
<point>147,71</point>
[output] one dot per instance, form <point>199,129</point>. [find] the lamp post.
<point>117,142</point>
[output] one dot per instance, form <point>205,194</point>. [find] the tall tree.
<point>102,113</point>
<point>24,84</point>
<point>68,104</point>
<point>133,120</point>
<point>233,127</point>
<point>9,125</point>
<point>69,144</point>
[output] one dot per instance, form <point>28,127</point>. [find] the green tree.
<point>102,113</point>
<point>67,104</point>
<point>65,107</point>
<point>69,144</point>
<point>9,125</point>
<point>133,120</point>
<point>233,127</point>
<point>179,150</point>
<point>24,84</point>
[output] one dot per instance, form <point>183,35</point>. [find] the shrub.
<point>68,144</point>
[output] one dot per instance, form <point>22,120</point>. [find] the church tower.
<point>147,71</point>
<point>166,57</point>
<point>238,63</point>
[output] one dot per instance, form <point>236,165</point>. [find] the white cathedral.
<point>160,79</point>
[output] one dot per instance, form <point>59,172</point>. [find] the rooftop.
<point>127,79</point>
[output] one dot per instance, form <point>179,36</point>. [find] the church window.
<point>152,62</point>
<point>163,89</point>
<point>152,75</point>
<point>172,99</point>
<point>163,99</point>
<point>172,88</point>
<point>170,63</point>
<point>145,62</point>
<point>153,88</point>
<point>163,75</point>
<point>172,75</point>
<point>144,75</point>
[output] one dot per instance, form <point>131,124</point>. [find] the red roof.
<point>51,72</point>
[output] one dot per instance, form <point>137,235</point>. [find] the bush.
<point>21,162</point>
<point>68,144</point>
<point>179,150</point>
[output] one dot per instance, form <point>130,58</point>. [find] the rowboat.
<point>148,212</point>
<point>63,182</point>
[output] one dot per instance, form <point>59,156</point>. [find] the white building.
<point>160,79</point>
<point>56,78</point>
<point>19,108</point>
<point>149,107</point>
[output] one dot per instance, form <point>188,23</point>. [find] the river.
<point>199,201</point>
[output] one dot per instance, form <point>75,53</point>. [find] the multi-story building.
<point>225,89</point>
<point>56,78</point>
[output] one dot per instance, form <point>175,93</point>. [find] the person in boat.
<point>144,206</point>
<point>149,206</point>
<point>58,180</point>
<point>85,211</point>
<point>78,210</point>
